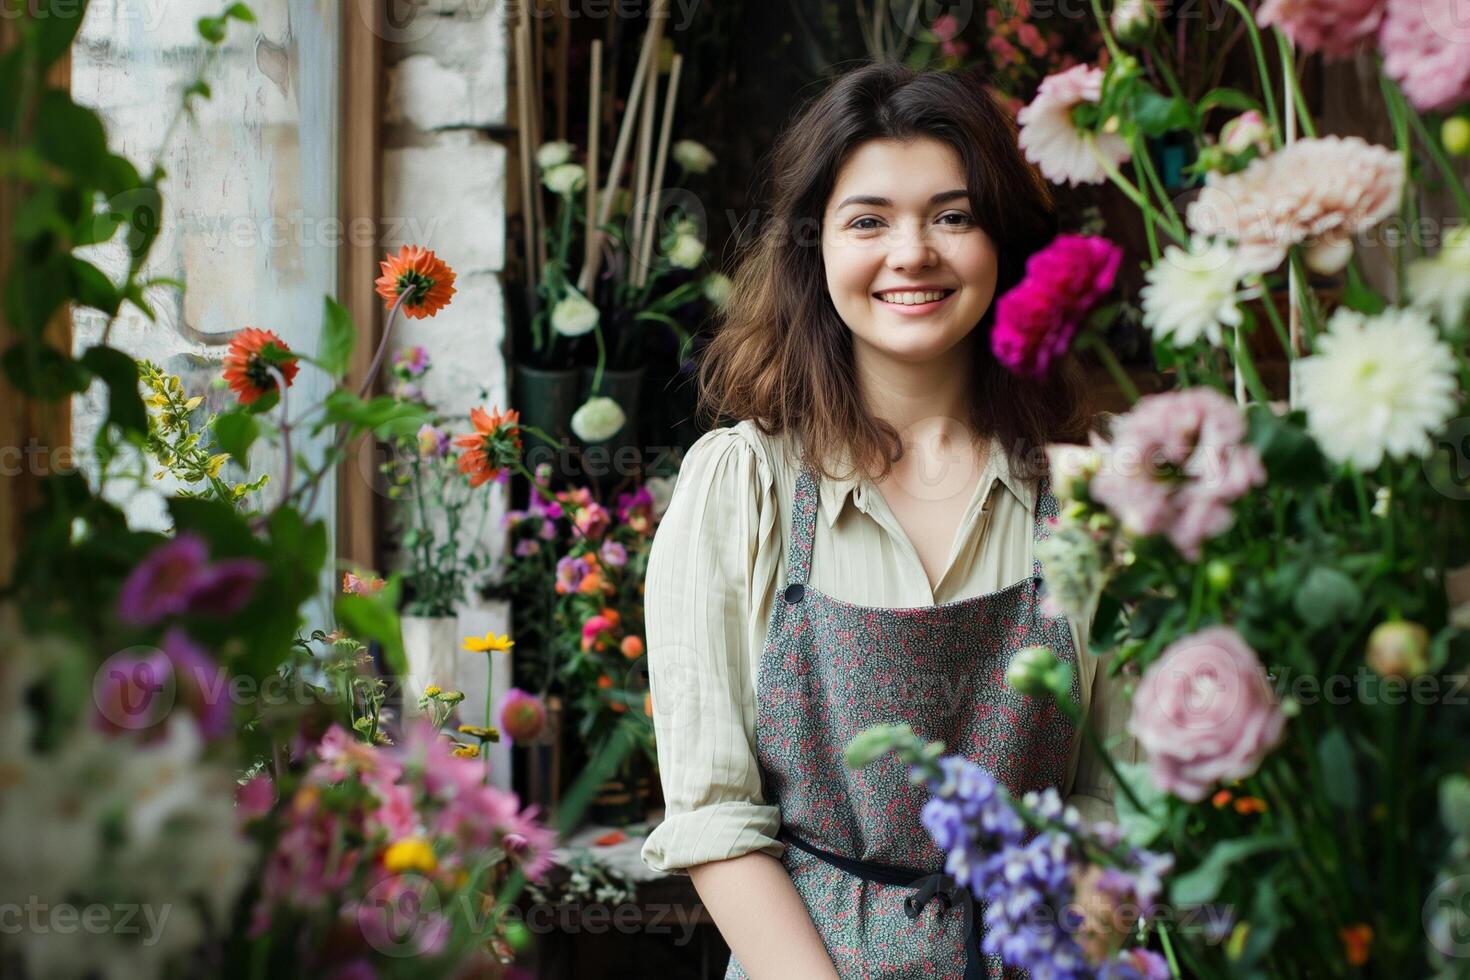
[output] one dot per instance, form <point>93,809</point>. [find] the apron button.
<point>794,592</point>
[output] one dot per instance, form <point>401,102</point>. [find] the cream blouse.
<point>717,562</point>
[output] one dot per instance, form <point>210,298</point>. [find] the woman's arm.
<point>763,919</point>
<point>714,558</point>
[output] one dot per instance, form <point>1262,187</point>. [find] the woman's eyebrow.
<point>883,202</point>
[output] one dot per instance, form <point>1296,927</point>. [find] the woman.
<point>858,547</point>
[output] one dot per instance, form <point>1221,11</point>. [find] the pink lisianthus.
<point>1426,49</point>
<point>134,693</point>
<point>1175,465</point>
<point>1204,712</point>
<point>636,510</point>
<point>1337,28</point>
<point>177,579</point>
<point>1036,321</point>
<point>255,798</point>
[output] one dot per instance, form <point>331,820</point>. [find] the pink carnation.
<point>1175,465</point>
<point>1052,141</point>
<point>1337,28</point>
<point>1426,49</point>
<point>1036,320</point>
<point>1204,712</point>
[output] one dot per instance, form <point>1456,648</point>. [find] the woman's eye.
<point>964,218</point>
<point>859,226</point>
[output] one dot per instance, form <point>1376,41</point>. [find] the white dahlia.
<point>1191,294</point>
<point>1377,386</point>
<point>1442,282</point>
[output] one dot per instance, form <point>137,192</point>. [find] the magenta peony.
<point>1205,712</point>
<point>1426,49</point>
<point>1036,321</point>
<point>1337,28</point>
<point>1175,465</point>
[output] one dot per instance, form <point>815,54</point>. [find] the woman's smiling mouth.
<point>914,302</point>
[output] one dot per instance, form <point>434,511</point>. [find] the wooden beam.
<point>35,436</point>
<point>359,165</point>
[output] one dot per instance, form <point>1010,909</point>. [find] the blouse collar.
<point>835,492</point>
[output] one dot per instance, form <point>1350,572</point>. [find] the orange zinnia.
<point>420,277</point>
<point>492,447</point>
<point>245,369</point>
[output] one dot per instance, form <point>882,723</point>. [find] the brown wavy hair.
<point>782,356</point>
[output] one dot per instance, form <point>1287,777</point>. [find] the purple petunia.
<point>177,578</point>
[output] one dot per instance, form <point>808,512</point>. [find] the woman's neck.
<point>928,403</point>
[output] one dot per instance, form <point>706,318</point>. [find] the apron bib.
<point>857,853</point>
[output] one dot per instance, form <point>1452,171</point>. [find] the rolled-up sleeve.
<point>1106,709</point>
<point>710,564</point>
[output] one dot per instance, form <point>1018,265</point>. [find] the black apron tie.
<point>929,886</point>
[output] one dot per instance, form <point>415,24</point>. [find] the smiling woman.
<point>782,621</point>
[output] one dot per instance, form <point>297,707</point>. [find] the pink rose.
<point>1204,712</point>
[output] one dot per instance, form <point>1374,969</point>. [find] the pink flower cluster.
<point>177,579</point>
<point>357,800</point>
<point>1175,465</point>
<point>1204,712</point>
<point>1036,321</point>
<point>1425,43</point>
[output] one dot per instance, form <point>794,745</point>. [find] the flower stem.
<point>1260,54</point>
<point>1105,354</point>
<point>1247,368</point>
<point>1288,63</point>
<point>372,371</point>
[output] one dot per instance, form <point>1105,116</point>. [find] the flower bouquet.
<point>1280,583</point>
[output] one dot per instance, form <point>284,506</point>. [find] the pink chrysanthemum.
<point>1337,28</point>
<point>1426,49</point>
<point>1319,192</point>
<point>1175,465</point>
<point>1036,321</point>
<point>1053,141</point>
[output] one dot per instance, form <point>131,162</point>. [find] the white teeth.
<point>913,299</point>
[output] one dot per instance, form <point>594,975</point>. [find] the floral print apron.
<point>857,852</point>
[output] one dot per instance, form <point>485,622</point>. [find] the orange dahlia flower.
<point>245,369</point>
<point>422,278</point>
<point>492,447</point>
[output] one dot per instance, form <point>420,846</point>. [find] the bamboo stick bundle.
<point>671,99</point>
<point>620,148</point>
<point>643,160</point>
<point>538,75</point>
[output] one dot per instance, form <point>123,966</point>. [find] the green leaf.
<point>120,372</point>
<point>1202,883</point>
<point>1291,456</point>
<point>1339,769</point>
<point>55,28</point>
<point>91,287</point>
<point>43,372</point>
<point>240,12</point>
<point>375,617</point>
<point>212,29</point>
<point>1155,114</point>
<point>1360,296</point>
<point>1141,827</point>
<point>70,136</point>
<point>35,291</point>
<point>339,335</point>
<point>1230,98</point>
<point>234,433</point>
<point>378,414</point>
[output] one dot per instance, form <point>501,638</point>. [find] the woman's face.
<point>899,221</point>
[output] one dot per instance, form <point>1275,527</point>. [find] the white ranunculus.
<point>693,157</point>
<point>574,315</point>
<point>1191,294</point>
<point>598,419</point>
<point>553,154</point>
<point>565,178</point>
<point>1442,282</point>
<point>1377,386</point>
<point>716,288</point>
<point>686,252</point>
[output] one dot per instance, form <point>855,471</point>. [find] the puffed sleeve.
<point>713,559</point>
<point>1106,708</point>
